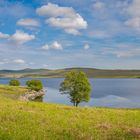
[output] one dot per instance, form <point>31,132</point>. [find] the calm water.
<point>124,93</point>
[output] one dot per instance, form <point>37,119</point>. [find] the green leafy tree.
<point>34,85</point>
<point>77,86</point>
<point>14,82</point>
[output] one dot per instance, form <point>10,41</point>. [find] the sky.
<point>56,34</point>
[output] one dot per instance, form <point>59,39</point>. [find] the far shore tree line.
<point>75,84</point>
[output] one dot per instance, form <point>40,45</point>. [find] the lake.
<point>116,93</point>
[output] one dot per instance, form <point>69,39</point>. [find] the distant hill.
<point>91,72</point>
<point>28,70</point>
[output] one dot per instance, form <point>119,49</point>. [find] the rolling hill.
<point>91,72</point>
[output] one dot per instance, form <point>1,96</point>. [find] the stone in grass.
<point>32,95</point>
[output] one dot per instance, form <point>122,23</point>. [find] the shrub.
<point>34,85</point>
<point>14,82</point>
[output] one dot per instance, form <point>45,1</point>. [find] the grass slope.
<point>42,121</point>
<point>91,72</point>
<point>12,91</point>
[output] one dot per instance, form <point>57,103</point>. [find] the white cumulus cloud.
<point>63,17</point>
<point>133,10</point>
<point>21,37</point>
<point>28,22</point>
<point>54,10</point>
<point>55,45</point>
<point>19,61</point>
<point>3,36</point>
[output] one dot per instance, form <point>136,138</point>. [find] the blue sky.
<point>57,34</point>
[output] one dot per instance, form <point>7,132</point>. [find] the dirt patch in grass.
<point>104,126</point>
<point>134,131</point>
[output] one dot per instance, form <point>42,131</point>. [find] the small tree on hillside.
<point>14,82</point>
<point>34,85</point>
<point>77,85</point>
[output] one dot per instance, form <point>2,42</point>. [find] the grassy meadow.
<point>12,91</point>
<point>42,121</point>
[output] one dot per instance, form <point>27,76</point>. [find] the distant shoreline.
<point>60,73</point>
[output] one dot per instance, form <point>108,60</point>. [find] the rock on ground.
<point>32,95</point>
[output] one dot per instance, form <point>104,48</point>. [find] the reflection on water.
<point>124,93</point>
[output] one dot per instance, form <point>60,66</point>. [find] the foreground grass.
<point>41,121</point>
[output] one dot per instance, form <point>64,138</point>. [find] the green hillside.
<point>91,72</point>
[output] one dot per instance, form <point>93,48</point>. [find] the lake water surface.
<point>117,93</point>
